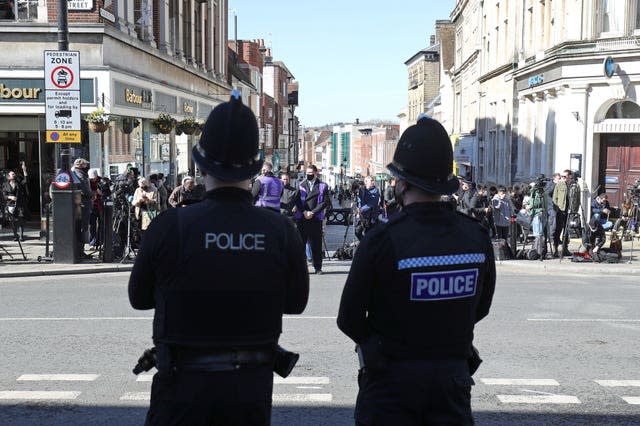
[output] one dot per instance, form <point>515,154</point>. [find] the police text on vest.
<point>443,285</point>
<point>230,241</point>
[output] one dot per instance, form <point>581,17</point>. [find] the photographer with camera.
<point>367,207</point>
<point>600,209</point>
<point>220,274</point>
<point>542,214</point>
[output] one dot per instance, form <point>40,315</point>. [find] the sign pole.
<point>63,45</point>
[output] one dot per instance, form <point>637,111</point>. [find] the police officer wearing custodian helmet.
<point>416,288</point>
<point>220,274</point>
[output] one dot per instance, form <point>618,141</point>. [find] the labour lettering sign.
<point>61,70</point>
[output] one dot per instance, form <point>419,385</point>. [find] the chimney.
<point>357,121</point>
<point>432,40</point>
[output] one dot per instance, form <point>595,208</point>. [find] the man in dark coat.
<point>313,202</point>
<point>220,274</point>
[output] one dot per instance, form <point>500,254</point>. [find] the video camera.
<point>540,183</point>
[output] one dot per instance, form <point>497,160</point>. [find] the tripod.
<point>12,220</point>
<point>128,249</point>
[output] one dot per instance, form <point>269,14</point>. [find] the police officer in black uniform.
<point>220,274</point>
<point>414,293</point>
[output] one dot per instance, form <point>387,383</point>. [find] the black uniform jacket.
<point>420,282</point>
<point>220,272</point>
<point>311,202</point>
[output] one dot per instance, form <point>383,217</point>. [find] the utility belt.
<point>212,360</point>
<point>372,356</point>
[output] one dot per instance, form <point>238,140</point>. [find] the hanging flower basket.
<point>188,126</point>
<point>99,127</point>
<point>164,123</point>
<point>98,120</point>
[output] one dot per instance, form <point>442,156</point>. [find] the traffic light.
<point>292,98</point>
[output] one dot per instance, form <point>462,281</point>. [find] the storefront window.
<point>625,109</point>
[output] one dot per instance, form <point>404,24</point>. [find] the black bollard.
<point>66,220</point>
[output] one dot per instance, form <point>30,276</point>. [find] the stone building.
<point>539,87</point>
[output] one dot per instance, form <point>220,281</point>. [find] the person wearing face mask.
<point>312,204</point>
<point>416,358</point>
<point>80,177</point>
<point>145,200</point>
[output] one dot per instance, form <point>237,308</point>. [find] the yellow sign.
<point>63,136</point>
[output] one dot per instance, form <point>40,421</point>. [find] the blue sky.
<point>348,56</point>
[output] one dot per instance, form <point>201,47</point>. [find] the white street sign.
<point>61,70</point>
<point>63,109</point>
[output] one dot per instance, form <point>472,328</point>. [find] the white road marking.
<point>306,317</point>
<point>58,377</point>
<point>38,395</point>
<point>584,319</point>
<point>308,387</point>
<point>618,383</point>
<point>520,382</point>
<point>301,381</point>
<point>302,397</point>
<point>75,318</point>
<point>136,396</point>
<point>633,400</point>
<point>132,318</point>
<point>145,378</point>
<point>538,399</point>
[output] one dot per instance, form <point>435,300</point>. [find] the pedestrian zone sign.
<point>61,70</point>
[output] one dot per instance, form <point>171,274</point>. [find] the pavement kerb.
<point>68,270</point>
<point>566,266</point>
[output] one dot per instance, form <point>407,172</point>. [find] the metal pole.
<point>63,45</point>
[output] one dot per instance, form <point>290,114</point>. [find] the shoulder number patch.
<point>443,285</point>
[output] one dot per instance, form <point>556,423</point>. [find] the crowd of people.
<point>547,213</point>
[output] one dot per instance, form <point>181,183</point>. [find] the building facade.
<point>135,62</point>
<point>540,87</point>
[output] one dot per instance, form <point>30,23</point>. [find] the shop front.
<point>23,135</point>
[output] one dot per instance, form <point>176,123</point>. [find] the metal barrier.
<point>340,217</point>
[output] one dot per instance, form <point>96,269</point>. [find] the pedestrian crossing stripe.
<point>38,395</point>
<point>145,378</point>
<point>618,383</point>
<point>632,400</point>
<point>520,382</point>
<point>538,399</point>
<point>58,377</point>
<point>136,396</point>
<point>301,381</point>
<point>302,397</point>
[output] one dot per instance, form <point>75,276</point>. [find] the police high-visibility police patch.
<point>443,285</point>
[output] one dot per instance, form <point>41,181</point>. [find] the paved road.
<point>558,350</point>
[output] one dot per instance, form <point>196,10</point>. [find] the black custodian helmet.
<point>424,158</point>
<point>228,146</point>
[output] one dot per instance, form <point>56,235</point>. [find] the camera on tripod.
<point>540,183</point>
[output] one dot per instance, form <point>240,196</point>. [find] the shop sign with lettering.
<point>132,96</point>
<point>31,91</point>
